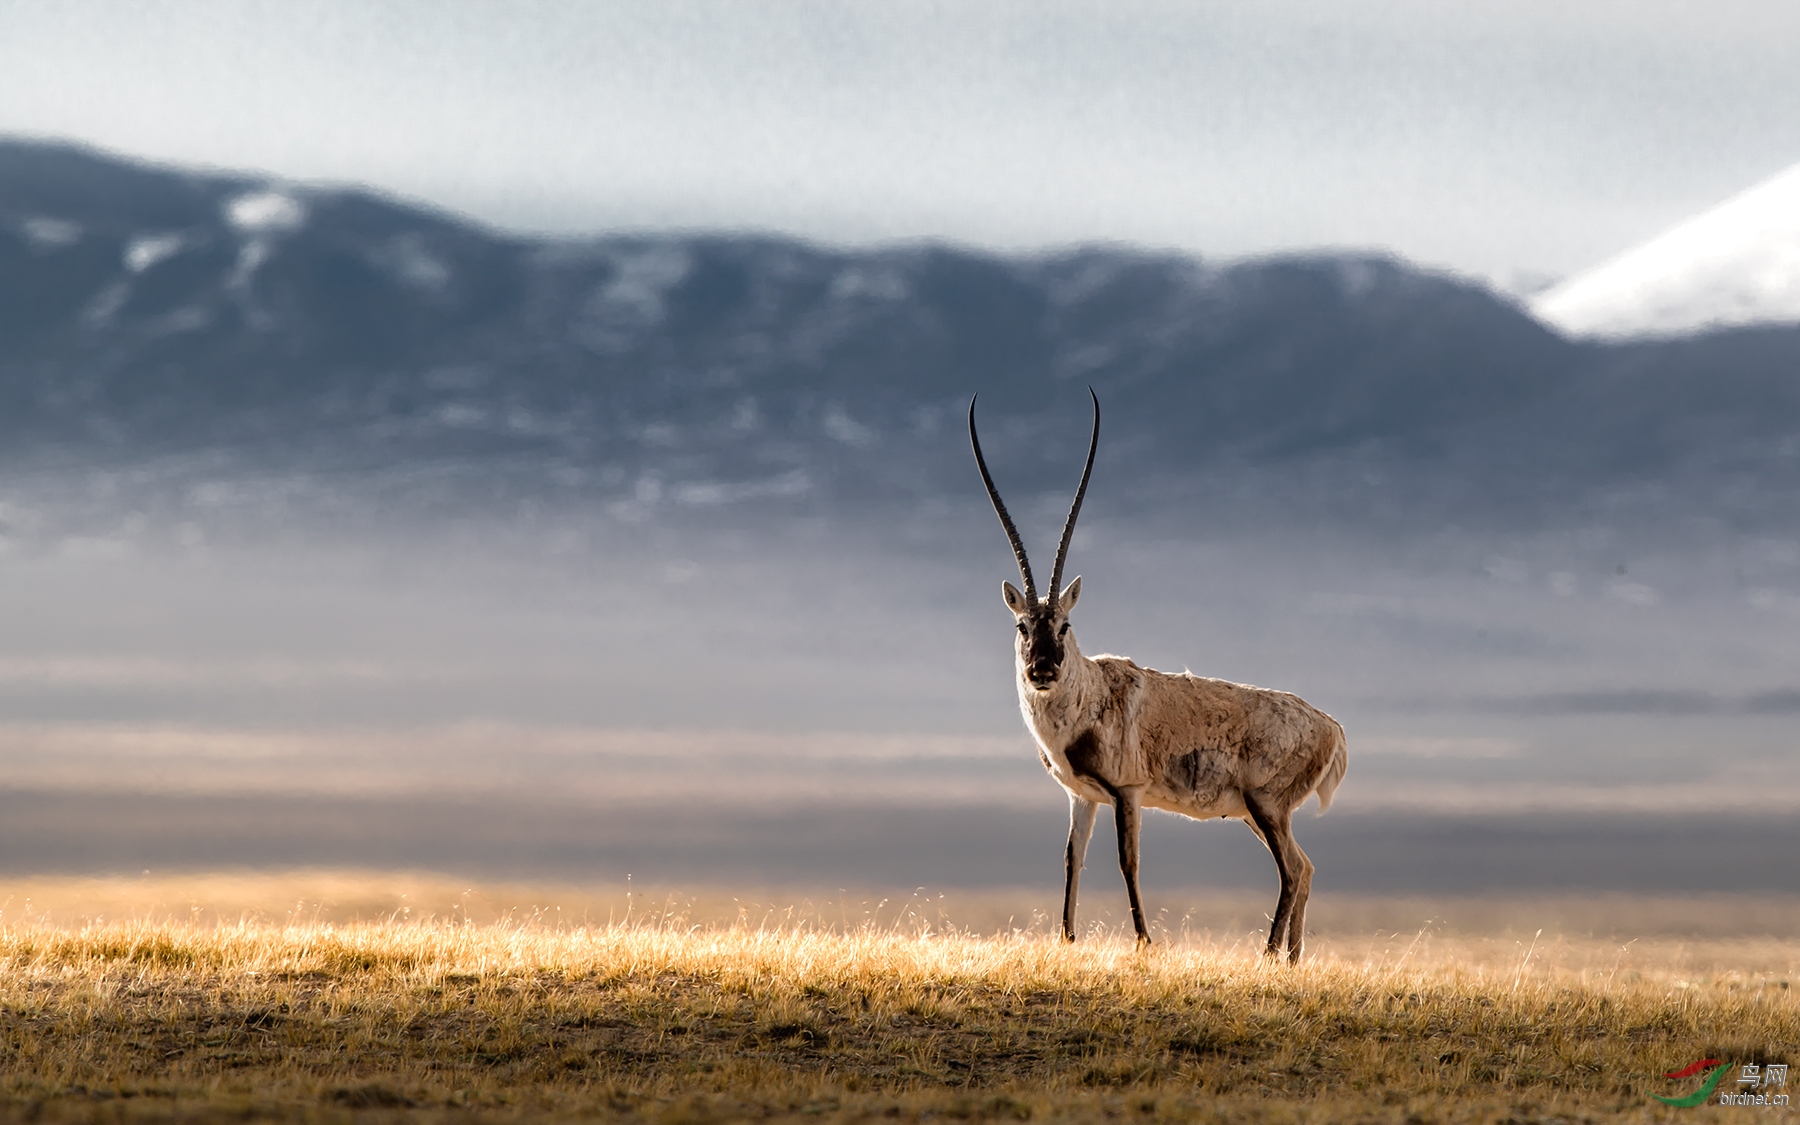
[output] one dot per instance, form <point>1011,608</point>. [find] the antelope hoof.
<point>1144,941</point>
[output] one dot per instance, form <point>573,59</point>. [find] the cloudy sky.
<point>1513,140</point>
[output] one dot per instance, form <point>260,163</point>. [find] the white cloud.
<point>1491,136</point>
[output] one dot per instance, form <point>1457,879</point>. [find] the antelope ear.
<point>1015,601</point>
<point>1070,596</point>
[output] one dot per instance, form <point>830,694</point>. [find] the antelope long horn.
<point>1012,533</point>
<point>1062,550</point>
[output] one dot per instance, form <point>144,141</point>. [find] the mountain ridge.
<point>151,312</point>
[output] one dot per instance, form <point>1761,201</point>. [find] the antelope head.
<point>1044,643</point>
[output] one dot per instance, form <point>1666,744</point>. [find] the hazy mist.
<point>337,531</point>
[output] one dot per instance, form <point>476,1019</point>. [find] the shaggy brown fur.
<point>1112,733</point>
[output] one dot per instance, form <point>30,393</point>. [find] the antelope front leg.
<point>1127,815</point>
<point>1081,829</point>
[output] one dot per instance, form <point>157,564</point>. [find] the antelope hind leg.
<point>1296,937</point>
<point>1081,829</point>
<point>1296,878</point>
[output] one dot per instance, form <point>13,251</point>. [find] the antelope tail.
<point>1334,770</point>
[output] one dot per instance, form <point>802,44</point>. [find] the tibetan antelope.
<point>1112,733</point>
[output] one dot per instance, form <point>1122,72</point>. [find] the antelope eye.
<point>1064,630</point>
<point>1023,631</point>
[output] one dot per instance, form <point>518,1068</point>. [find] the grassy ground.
<point>268,998</point>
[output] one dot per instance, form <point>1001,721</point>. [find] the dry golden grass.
<point>211,999</point>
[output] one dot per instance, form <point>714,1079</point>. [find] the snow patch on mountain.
<point>1733,266</point>
<point>265,212</point>
<point>146,251</point>
<point>46,233</point>
<point>410,261</point>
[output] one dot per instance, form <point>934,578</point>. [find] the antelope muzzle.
<point>1043,655</point>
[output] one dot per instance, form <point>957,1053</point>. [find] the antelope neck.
<point>1070,704</point>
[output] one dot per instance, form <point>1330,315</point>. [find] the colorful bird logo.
<point>1706,1088</point>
